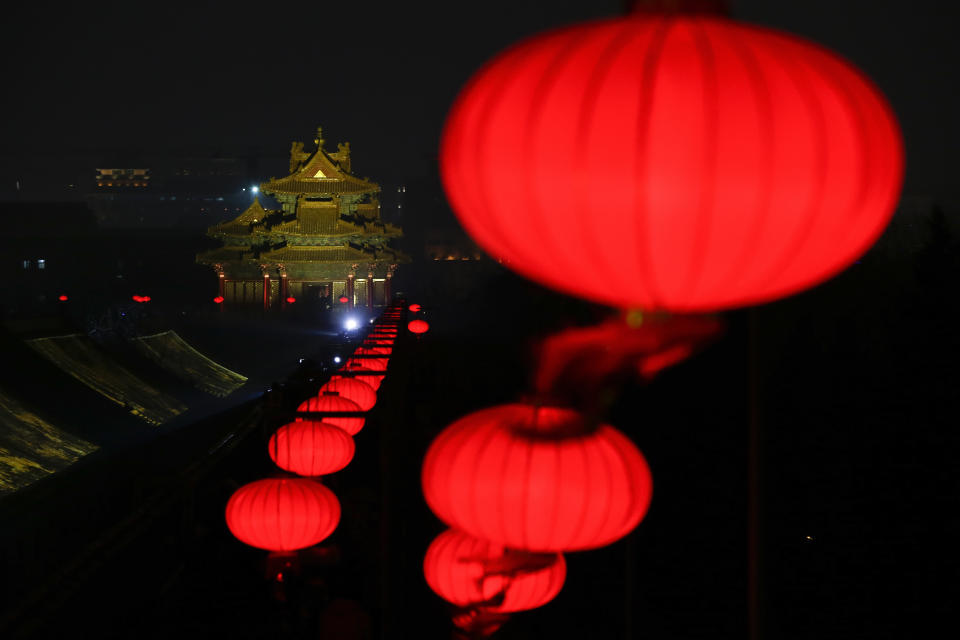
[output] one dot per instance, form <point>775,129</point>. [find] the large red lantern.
<point>536,478</point>
<point>282,514</point>
<point>333,402</point>
<point>311,448</point>
<point>469,572</point>
<point>679,162</point>
<point>352,389</point>
<point>418,326</point>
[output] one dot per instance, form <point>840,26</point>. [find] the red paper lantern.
<point>218,299</point>
<point>63,298</point>
<point>418,326</point>
<point>352,389</point>
<point>531,478</point>
<point>680,162</point>
<point>291,300</point>
<point>344,299</point>
<point>311,448</point>
<point>373,380</point>
<point>374,364</point>
<point>333,402</point>
<point>414,307</point>
<point>373,351</point>
<point>469,572</point>
<point>282,514</point>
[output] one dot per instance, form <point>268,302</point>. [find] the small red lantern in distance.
<point>333,402</point>
<point>352,389</point>
<point>536,478</point>
<point>736,164</point>
<point>63,298</point>
<point>418,326</point>
<point>291,300</point>
<point>282,514</point>
<point>218,299</point>
<point>344,299</point>
<point>466,572</point>
<point>311,448</point>
<point>414,307</point>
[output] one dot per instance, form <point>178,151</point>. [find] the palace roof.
<point>321,175</point>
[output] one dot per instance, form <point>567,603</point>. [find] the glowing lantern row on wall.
<point>378,342</point>
<point>282,514</point>
<point>352,389</point>
<point>311,448</point>
<point>333,402</point>
<point>680,162</point>
<point>418,326</point>
<point>469,572</point>
<point>536,478</point>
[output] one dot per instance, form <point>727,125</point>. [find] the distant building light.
<point>41,263</point>
<point>26,264</point>
<point>255,189</point>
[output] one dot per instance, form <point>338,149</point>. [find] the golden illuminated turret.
<point>326,241</point>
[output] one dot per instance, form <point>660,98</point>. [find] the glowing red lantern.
<point>291,300</point>
<point>373,351</point>
<point>414,307</point>
<point>536,478</point>
<point>344,299</point>
<point>352,389</point>
<point>681,162</point>
<point>310,448</point>
<point>333,402</point>
<point>218,299</point>
<point>282,514</point>
<point>469,572</point>
<point>418,326</point>
<point>62,298</point>
<point>374,364</point>
<point>373,380</point>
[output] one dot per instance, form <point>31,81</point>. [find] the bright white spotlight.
<point>336,359</point>
<point>351,324</point>
<point>255,189</point>
<point>371,320</point>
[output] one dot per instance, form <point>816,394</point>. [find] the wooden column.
<point>350,277</point>
<point>266,291</point>
<point>370,288</point>
<point>283,289</point>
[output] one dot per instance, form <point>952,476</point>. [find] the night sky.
<point>249,78</point>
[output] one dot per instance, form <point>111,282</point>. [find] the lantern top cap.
<point>674,7</point>
<point>548,422</point>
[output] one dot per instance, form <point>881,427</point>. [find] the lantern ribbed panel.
<point>335,404</point>
<point>463,584</point>
<point>310,448</point>
<point>352,389</point>
<point>282,514</point>
<point>487,479</point>
<point>687,163</point>
<point>418,326</point>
